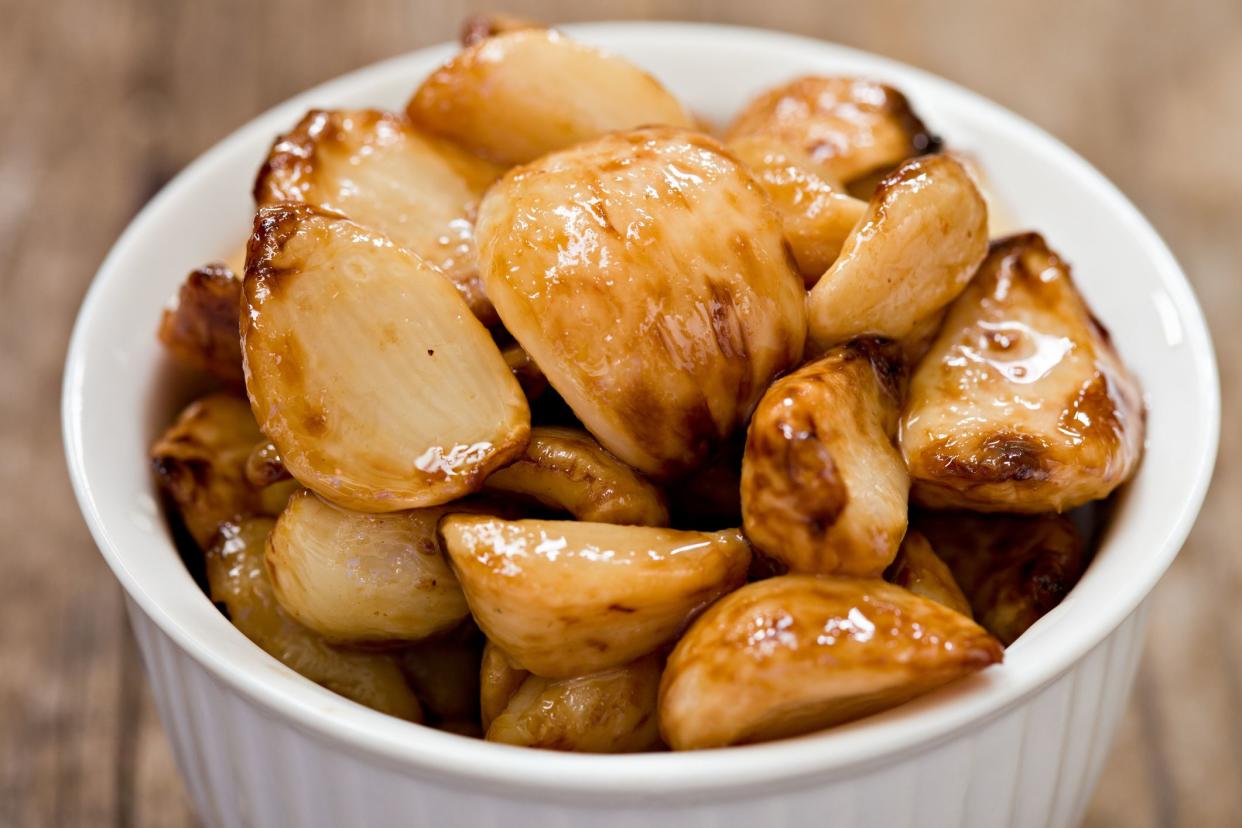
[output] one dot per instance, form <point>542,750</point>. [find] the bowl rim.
<point>729,772</point>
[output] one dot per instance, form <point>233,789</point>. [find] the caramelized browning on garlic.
<point>613,711</point>
<point>916,247</point>
<point>1022,404</point>
<point>201,460</point>
<point>353,576</point>
<point>823,486</point>
<point>1014,569</point>
<point>201,329</point>
<point>566,598</point>
<point>647,275</point>
<point>374,167</point>
<point>521,94</point>
<point>798,653</point>
<point>239,582</point>
<point>843,128</point>
<point>564,468</point>
<point>818,215</point>
<point>918,569</point>
<point>366,369</point>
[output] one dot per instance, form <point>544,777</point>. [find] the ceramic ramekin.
<point>1018,745</point>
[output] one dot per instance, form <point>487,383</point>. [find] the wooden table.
<point>103,101</point>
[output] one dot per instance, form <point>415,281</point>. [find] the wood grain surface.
<point>103,101</point>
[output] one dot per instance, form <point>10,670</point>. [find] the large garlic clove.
<point>358,577</point>
<point>564,468</point>
<point>367,370</point>
<point>499,679</point>
<point>521,94</point>
<point>1022,404</point>
<point>613,711</point>
<point>843,128</point>
<point>201,461</point>
<point>647,275</point>
<point>824,489</point>
<point>566,598</point>
<point>920,241</point>
<point>238,581</point>
<point>1014,569</point>
<point>818,215</point>
<point>380,171</point>
<point>918,569</point>
<point>799,653</point>
<point>201,329</point>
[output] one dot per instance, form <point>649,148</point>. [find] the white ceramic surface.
<point>1017,745</point>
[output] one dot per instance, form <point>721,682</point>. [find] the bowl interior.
<point>119,392</point>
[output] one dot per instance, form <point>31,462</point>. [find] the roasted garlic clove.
<point>357,577</point>
<point>564,468</point>
<point>479,27</point>
<point>524,369</point>
<point>1022,404</point>
<point>921,239</point>
<point>522,94</point>
<point>798,653</point>
<point>843,128</point>
<point>201,329</point>
<point>918,569</point>
<point>444,672</point>
<point>376,168</point>
<point>367,370</point>
<point>566,598</point>
<point>499,679</point>
<point>200,462</point>
<point>613,711</point>
<point>1014,569</point>
<point>823,486</point>
<point>647,275</point>
<point>238,581</point>
<point>818,215</point>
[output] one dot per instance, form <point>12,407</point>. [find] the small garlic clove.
<point>566,598</point>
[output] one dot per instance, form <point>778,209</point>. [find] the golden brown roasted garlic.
<point>914,250</point>
<point>823,486</point>
<point>201,329</point>
<point>647,275</point>
<point>1022,404</point>
<point>566,598</point>
<point>612,711</point>
<point>798,653</point>
<point>843,128</point>
<point>1014,569</point>
<point>818,215</point>
<point>238,580</point>
<point>564,468</point>
<point>374,167</point>
<point>357,577</point>
<point>499,679</point>
<point>366,369</point>
<point>521,94</point>
<point>918,569</point>
<point>201,460</point>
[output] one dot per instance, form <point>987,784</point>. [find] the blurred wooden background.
<point>105,100</point>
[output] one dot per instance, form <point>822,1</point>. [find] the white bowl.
<point>1021,744</point>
